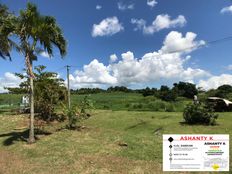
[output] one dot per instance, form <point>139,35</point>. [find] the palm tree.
<point>35,33</point>
<point>6,28</point>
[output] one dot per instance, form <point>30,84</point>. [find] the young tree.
<point>35,33</point>
<point>49,91</point>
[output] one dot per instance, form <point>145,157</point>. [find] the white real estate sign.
<point>188,152</point>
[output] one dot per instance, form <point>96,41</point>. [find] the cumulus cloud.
<point>215,81</point>
<point>107,27</point>
<point>9,80</point>
<point>113,58</point>
<point>94,73</point>
<point>150,68</point>
<point>161,22</point>
<point>151,3</point>
<point>98,7</point>
<point>176,42</point>
<point>123,7</point>
<point>227,9</point>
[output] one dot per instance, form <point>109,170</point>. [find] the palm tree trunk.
<point>31,124</point>
<point>31,132</point>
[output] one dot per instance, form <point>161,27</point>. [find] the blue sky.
<point>77,18</point>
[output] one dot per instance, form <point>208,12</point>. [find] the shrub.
<point>86,105</point>
<point>170,107</point>
<point>157,105</point>
<point>152,106</point>
<point>137,106</point>
<point>78,113</point>
<point>74,116</point>
<point>198,114</point>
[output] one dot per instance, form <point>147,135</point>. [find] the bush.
<point>73,117</point>
<point>170,107</point>
<point>137,106</point>
<point>198,114</point>
<point>86,105</point>
<point>157,105</point>
<point>78,113</point>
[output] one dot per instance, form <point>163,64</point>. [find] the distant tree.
<point>149,92</point>
<point>223,91</point>
<point>118,89</point>
<point>185,89</point>
<point>166,94</point>
<point>87,91</point>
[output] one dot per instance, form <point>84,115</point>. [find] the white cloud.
<point>93,73</point>
<point>161,22</point>
<point>113,58</point>
<point>44,54</point>
<point>98,7</point>
<point>107,27</point>
<point>153,67</point>
<point>123,7</point>
<point>227,9</point>
<point>215,81</point>
<point>9,80</point>
<point>175,42</point>
<point>151,3</point>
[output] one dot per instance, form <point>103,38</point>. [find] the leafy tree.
<point>166,94</point>
<point>49,91</point>
<point>223,91</point>
<point>35,33</point>
<point>118,89</point>
<point>149,92</point>
<point>185,89</point>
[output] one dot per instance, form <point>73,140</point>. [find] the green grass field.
<point>111,101</point>
<point>95,149</point>
<point>131,101</point>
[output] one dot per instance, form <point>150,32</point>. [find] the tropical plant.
<point>36,33</point>
<point>6,28</point>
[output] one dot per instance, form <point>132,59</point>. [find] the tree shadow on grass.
<point>183,123</point>
<point>22,136</point>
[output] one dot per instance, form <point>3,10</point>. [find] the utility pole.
<point>69,100</point>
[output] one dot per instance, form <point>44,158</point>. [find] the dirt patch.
<point>111,164</point>
<point>11,163</point>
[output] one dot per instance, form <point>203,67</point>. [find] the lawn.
<point>96,148</point>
